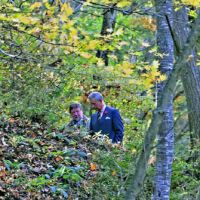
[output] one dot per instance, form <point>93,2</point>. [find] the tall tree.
<point>190,76</point>
<point>137,178</point>
<point>165,146</point>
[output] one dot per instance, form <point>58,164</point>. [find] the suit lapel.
<point>102,119</point>
<point>105,114</point>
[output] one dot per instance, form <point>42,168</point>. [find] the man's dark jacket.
<point>110,124</point>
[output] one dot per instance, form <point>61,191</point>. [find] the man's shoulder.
<point>76,124</point>
<point>111,109</point>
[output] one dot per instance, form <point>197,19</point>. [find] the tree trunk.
<point>165,146</point>
<point>190,76</point>
<point>109,20</point>
<point>136,180</point>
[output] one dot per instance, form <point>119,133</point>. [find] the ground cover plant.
<point>40,163</point>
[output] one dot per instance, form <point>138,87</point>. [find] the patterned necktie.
<point>99,115</point>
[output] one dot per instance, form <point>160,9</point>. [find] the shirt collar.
<point>103,109</point>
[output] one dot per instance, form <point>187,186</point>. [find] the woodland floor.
<point>39,163</point>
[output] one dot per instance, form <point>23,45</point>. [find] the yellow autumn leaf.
<point>126,64</point>
<point>28,20</point>
<point>126,68</point>
<point>3,17</point>
<point>35,5</point>
<point>92,44</point>
<point>195,3</point>
<point>145,75</point>
<point>127,72</point>
<point>68,50</point>
<point>63,17</point>
<point>66,11</point>
<point>193,13</point>
<point>35,31</point>
<point>114,173</point>
<point>23,19</point>
<point>85,55</point>
<point>148,68</point>
<point>134,151</point>
<point>123,3</point>
<point>50,36</point>
<point>73,36</point>
<point>147,83</point>
<point>67,25</point>
<point>154,74</point>
<point>162,77</point>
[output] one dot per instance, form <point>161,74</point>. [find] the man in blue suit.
<point>106,120</point>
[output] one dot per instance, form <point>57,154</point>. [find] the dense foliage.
<point>48,59</point>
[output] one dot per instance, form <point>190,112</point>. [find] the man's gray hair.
<point>96,96</point>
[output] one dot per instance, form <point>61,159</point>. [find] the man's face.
<point>97,105</point>
<point>76,114</point>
